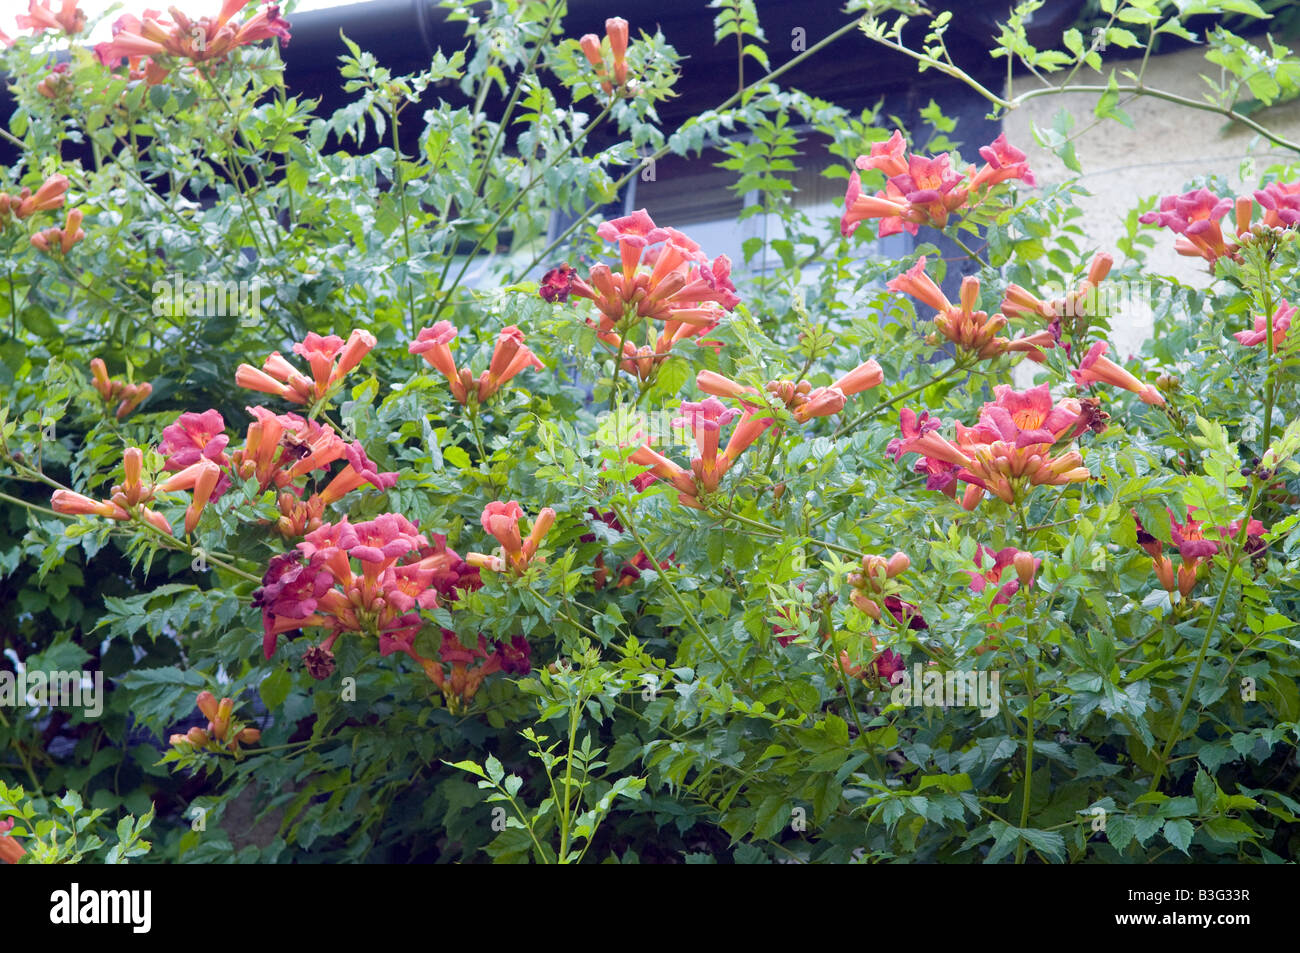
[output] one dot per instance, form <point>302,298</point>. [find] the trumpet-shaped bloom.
<point>359,471</point>
<point>127,396</point>
<point>48,197</point>
<point>1281,324</point>
<point>61,239</point>
<point>317,585</point>
<point>1023,567</point>
<point>41,16</point>
<point>198,41</point>
<point>1195,217</point>
<point>502,521</point>
<point>330,359</point>
<point>925,191</point>
<point>616,29</point>
<point>1010,449</point>
<point>509,358</point>
<point>1281,204</point>
<point>704,421</point>
<point>1003,161</point>
<point>971,330</point>
<point>1097,368</point>
<point>192,437</point>
<point>873,583</point>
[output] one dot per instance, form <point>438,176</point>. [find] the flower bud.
<point>869,606</point>
<point>898,563</point>
<point>1100,267</point>
<point>1165,573</point>
<point>208,705</point>
<point>221,723</point>
<point>1025,564</point>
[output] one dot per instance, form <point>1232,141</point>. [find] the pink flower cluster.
<point>1006,453</point>
<point>509,357</point>
<point>1196,216</point>
<point>330,359</point>
<point>704,421</point>
<point>372,579</point>
<point>920,191</point>
<point>971,330</point>
<point>198,41</point>
<point>664,276</point>
<point>350,577</point>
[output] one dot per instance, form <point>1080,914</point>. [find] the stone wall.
<point>1170,145</point>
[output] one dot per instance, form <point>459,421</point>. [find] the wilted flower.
<point>557,283</point>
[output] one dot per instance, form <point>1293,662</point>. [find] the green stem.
<point>22,756</point>
<point>574,712</point>
<point>400,181</point>
<point>444,291</point>
<point>1029,755</point>
<point>867,415</point>
<point>1175,731</point>
<point>529,70</point>
<point>664,150</point>
<point>681,604</point>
